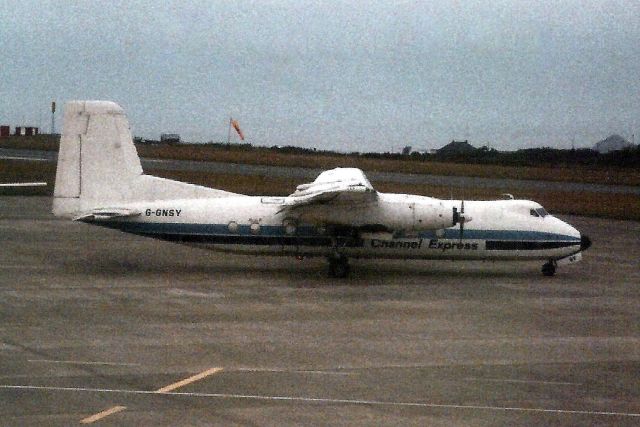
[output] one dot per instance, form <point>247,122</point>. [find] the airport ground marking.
<point>163,390</point>
<point>103,414</point>
<point>80,362</point>
<point>294,371</point>
<point>304,399</point>
<point>189,380</point>
<point>506,380</point>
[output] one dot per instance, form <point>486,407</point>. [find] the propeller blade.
<point>462,219</point>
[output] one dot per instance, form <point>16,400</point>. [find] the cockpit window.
<point>538,213</point>
<point>542,212</point>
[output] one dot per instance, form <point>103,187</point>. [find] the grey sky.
<point>365,76</point>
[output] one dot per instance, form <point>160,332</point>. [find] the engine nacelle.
<point>432,216</point>
<point>390,213</point>
<point>415,215</point>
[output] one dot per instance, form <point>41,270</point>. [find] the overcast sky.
<point>353,76</point>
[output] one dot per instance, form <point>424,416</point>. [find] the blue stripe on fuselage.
<point>470,234</point>
<point>165,228</point>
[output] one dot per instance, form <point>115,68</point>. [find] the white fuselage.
<point>503,229</point>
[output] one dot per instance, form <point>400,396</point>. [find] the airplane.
<point>100,181</point>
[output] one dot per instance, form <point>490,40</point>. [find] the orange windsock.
<point>236,126</point>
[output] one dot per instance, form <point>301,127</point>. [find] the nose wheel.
<point>549,269</point>
<point>338,266</point>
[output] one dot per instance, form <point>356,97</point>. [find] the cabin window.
<point>289,227</point>
<point>534,212</point>
<point>255,228</point>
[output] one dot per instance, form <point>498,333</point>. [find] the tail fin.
<point>99,167</point>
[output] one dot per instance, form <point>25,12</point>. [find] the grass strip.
<point>267,156</point>
<point>603,205</point>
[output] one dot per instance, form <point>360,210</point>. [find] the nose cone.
<point>585,242</point>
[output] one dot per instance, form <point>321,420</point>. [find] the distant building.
<point>5,131</point>
<point>612,143</point>
<point>21,131</point>
<point>140,140</point>
<point>457,147</point>
<point>170,138</point>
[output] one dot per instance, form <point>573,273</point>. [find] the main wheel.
<point>339,267</point>
<point>549,269</point>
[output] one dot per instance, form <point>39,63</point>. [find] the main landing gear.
<point>338,266</point>
<point>549,268</point>
<point>338,263</point>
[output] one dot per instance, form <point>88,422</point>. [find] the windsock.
<point>236,126</point>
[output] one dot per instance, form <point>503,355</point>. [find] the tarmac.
<point>99,327</point>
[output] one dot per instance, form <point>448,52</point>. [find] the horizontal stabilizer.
<point>104,214</point>
<point>24,184</point>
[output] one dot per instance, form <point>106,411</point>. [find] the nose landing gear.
<point>338,266</point>
<point>549,268</point>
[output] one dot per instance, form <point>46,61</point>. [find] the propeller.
<point>460,218</point>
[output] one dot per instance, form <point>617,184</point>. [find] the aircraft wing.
<point>336,184</point>
<point>102,214</point>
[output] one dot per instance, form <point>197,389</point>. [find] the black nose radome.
<point>585,242</point>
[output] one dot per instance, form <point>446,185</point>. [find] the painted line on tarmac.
<point>103,414</point>
<point>162,390</point>
<point>189,380</point>
<point>293,371</point>
<point>501,380</point>
<point>323,373</point>
<point>331,401</point>
<point>79,362</point>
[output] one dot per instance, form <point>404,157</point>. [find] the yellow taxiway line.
<point>165,389</point>
<point>103,414</point>
<point>189,380</point>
